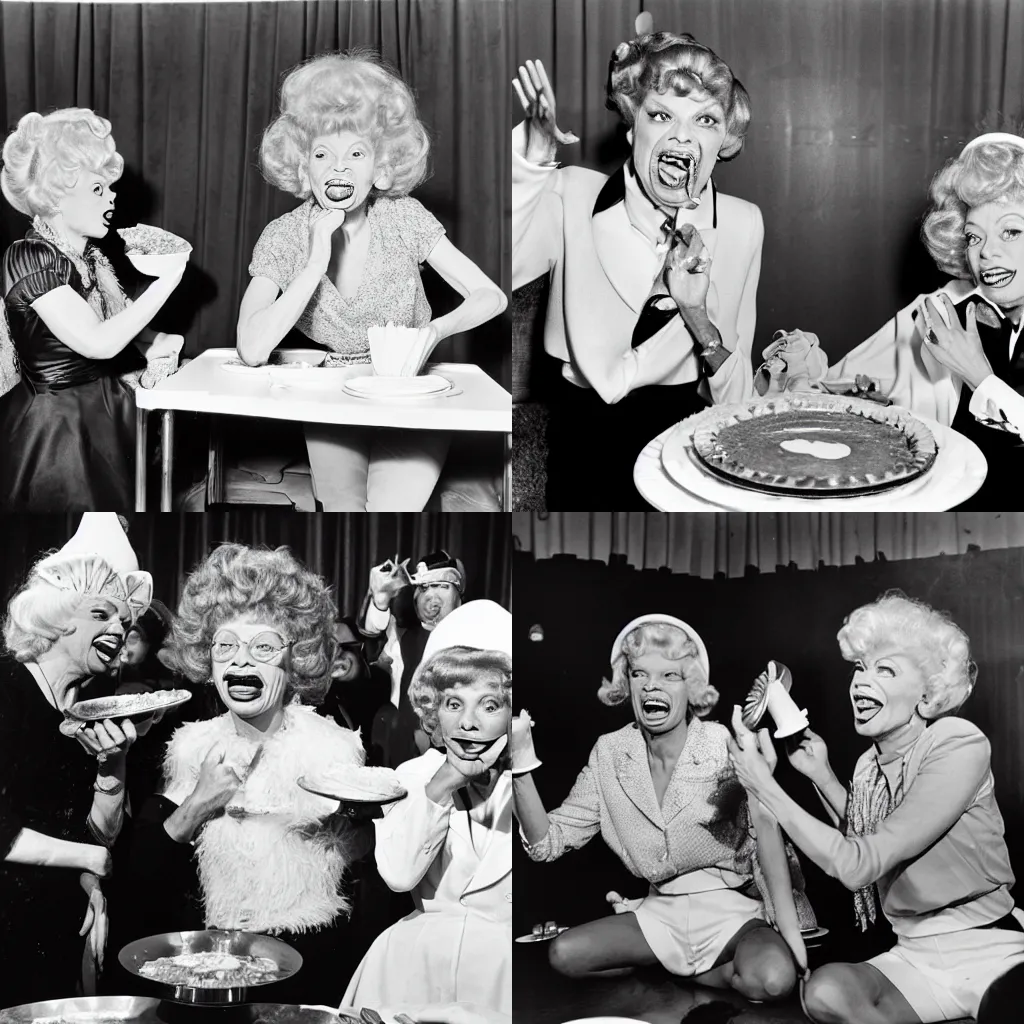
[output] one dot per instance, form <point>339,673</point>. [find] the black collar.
<point>614,191</point>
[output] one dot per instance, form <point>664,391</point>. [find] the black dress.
<point>46,784</point>
<point>1004,451</point>
<point>69,427</point>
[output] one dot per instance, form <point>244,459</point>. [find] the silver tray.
<point>139,952</point>
<point>143,1010</point>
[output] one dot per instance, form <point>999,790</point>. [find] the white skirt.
<point>437,957</point>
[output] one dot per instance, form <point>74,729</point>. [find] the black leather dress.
<point>68,428</point>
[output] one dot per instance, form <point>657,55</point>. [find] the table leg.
<point>215,464</point>
<point>141,433</point>
<point>506,503</point>
<point>166,459</point>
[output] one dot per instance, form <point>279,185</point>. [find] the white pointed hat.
<point>100,535</point>
<point>484,625</point>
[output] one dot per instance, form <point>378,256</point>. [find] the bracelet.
<point>711,347</point>
<point>112,791</point>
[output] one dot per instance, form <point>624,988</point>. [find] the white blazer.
<point>602,266</point>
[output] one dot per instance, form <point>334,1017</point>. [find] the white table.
<point>202,386</point>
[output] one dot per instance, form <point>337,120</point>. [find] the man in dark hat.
<point>438,583</point>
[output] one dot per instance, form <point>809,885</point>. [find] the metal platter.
<point>128,705</point>
<point>143,1010</point>
<point>137,953</point>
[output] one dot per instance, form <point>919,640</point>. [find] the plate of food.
<point>428,385</point>
<point>85,1010</point>
<point>127,705</point>
<point>544,932</point>
<point>355,784</point>
<point>814,445</point>
<point>210,966</point>
<point>154,251</point>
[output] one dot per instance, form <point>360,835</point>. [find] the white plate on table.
<point>429,385</point>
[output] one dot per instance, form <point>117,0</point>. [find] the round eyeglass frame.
<point>248,645</point>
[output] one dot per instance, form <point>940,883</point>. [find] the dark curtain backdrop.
<point>189,89</point>
<point>340,546</point>
<point>789,615</point>
<point>856,104</point>
<point>731,543</point>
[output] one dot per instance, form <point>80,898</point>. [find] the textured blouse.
<point>702,822</point>
<point>402,234</point>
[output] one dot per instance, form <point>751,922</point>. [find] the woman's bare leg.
<point>599,945</point>
<point>855,994</point>
<point>756,962</point>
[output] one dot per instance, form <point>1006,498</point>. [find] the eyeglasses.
<point>263,647</point>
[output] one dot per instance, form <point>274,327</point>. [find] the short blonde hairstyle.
<point>987,173</point>
<point>356,92</point>
<point>930,638</point>
<point>453,667</point>
<point>665,62</point>
<point>38,613</point>
<point>44,157</point>
<point>671,642</point>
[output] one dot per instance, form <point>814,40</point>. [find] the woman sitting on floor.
<point>664,797</point>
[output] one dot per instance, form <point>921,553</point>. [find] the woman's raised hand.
<point>322,225</point>
<point>957,348</point>
<point>524,757</point>
<point>809,755</point>
<point>217,783</point>
<point>543,136</point>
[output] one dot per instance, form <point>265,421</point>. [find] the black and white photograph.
<point>764,254</point>
<point>255,769</point>
<point>255,253</point>
<point>768,768</point>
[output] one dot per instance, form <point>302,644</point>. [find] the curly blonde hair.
<point>267,586</point>
<point>453,667</point>
<point>664,61</point>
<point>37,615</point>
<point>936,644</point>
<point>45,155</point>
<point>671,642</point>
<point>356,92</point>
<point>987,173</point>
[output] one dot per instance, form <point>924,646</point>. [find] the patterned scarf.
<point>102,289</point>
<point>869,804</point>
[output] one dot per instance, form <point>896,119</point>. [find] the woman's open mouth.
<point>655,709</point>
<point>244,688</point>
<point>470,748</point>
<point>107,647</point>
<point>676,170</point>
<point>338,190</point>
<point>998,278</point>
<point>865,708</point>
<point>108,217</point>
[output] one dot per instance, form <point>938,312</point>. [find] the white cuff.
<point>998,405</point>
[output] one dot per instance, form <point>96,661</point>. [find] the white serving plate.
<point>428,385</point>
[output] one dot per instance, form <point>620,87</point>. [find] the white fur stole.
<point>269,864</point>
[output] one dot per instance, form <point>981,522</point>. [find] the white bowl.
<point>389,348</point>
<point>158,265</point>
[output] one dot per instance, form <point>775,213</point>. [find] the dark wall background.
<point>856,104</point>
<point>189,89</point>
<point>340,546</point>
<point>789,615</point>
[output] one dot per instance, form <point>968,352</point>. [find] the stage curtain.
<point>340,546</point>
<point>730,543</point>
<point>856,105</point>
<point>189,90</point>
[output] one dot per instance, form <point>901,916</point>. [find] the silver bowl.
<point>86,1010</point>
<point>137,953</point>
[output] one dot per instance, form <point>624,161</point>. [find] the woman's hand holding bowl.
<point>107,740</point>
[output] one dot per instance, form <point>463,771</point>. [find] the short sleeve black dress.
<point>46,784</point>
<point>69,428</point>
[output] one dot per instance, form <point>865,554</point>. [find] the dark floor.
<point>651,995</point>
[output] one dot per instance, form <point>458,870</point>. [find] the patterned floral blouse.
<point>402,234</point>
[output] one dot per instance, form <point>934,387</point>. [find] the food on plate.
<point>125,705</point>
<point>354,782</point>
<point>146,240</point>
<point>547,930</point>
<point>815,445</point>
<point>211,970</point>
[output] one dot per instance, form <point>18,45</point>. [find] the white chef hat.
<point>484,625</point>
<point>116,575</point>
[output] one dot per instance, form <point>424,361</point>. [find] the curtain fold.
<point>707,544</point>
<point>340,546</point>
<point>856,105</point>
<point>189,90</point>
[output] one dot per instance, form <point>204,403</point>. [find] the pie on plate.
<point>211,970</point>
<point>813,445</point>
<point>355,784</point>
<point>126,705</point>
